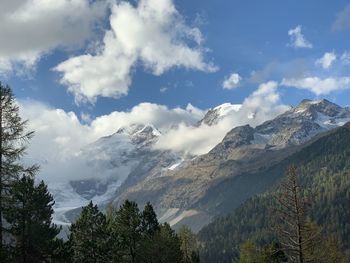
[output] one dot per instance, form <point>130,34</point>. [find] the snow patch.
<point>227,108</point>
<point>175,165</point>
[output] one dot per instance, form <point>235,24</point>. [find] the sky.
<point>81,69</point>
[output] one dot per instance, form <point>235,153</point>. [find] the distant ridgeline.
<point>324,168</point>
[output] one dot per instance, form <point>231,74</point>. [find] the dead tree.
<point>293,229</point>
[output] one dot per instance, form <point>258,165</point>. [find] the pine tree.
<point>164,247</point>
<point>13,139</point>
<point>30,220</point>
<point>88,236</point>
<point>149,221</point>
<point>127,225</point>
<point>324,249</point>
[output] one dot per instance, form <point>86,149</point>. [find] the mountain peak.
<point>323,106</point>
<point>214,115</point>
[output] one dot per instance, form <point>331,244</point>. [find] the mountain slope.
<point>121,158</point>
<point>324,166</point>
<point>221,180</point>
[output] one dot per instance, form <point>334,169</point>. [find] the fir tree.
<point>149,221</point>
<point>13,139</point>
<point>30,218</point>
<point>88,236</point>
<point>164,247</point>
<point>127,225</point>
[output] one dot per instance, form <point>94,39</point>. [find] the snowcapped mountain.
<point>294,127</point>
<point>210,184</point>
<point>301,123</point>
<point>214,115</point>
<point>184,189</point>
<point>120,158</point>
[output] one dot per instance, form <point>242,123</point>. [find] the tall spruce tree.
<point>127,225</point>
<point>13,140</point>
<point>30,220</point>
<point>88,238</point>
<point>164,247</point>
<point>149,221</point>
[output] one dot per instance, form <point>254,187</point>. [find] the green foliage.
<point>29,217</point>
<point>126,235</point>
<point>189,245</point>
<point>88,238</point>
<point>13,141</point>
<point>149,221</point>
<point>324,168</point>
<point>128,230</point>
<point>163,247</point>
<point>251,253</point>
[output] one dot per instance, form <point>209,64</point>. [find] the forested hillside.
<point>324,168</point>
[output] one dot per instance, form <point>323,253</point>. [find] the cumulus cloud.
<point>31,28</point>
<point>152,33</point>
<point>232,81</point>
<point>297,39</point>
<point>60,135</point>
<point>342,20</point>
<point>327,60</point>
<point>317,85</point>
<point>263,104</point>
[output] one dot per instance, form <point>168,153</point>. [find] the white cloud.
<point>345,58</point>
<point>144,113</point>
<point>153,33</point>
<point>317,85</point>
<point>297,39</point>
<point>31,28</point>
<point>232,81</point>
<point>263,104</point>
<point>327,60</point>
<point>59,135</point>
<point>342,20</point>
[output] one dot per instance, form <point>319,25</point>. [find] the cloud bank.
<point>263,104</point>
<point>60,135</point>
<point>30,29</point>
<point>317,85</point>
<point>158,39</point>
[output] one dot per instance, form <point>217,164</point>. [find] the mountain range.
<point>188,189</point>
<point>323,168</point>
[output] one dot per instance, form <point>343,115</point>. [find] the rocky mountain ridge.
<point>198,191</point>
<point>193,189</point>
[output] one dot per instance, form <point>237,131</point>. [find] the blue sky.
<point>241,37</point>
<point>83,69</point>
